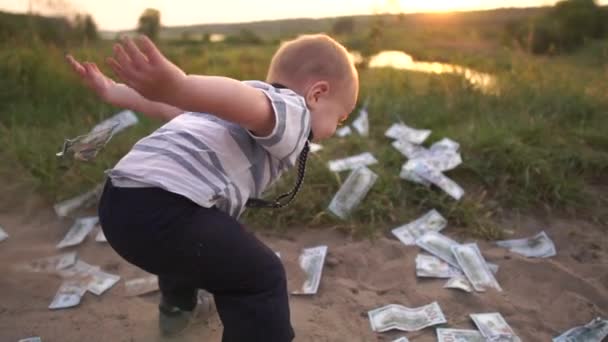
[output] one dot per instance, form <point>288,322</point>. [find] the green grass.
<point>541,143</point>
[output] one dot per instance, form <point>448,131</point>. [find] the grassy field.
<point>540,144</point>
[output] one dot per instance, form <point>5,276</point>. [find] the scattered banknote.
<point>80,270</point>
<point>459,335</point>
<point>100,237</point>
<point>445,144</point>
<point>431,221</point>
<point>361,123</point>
<point>494,327</point>
<point>351,163</point>
<point>50,264</point>
<point>408,149</point>
<point>441,160</point>
<point>3,234</point>
<point>402,339</point>
<point>81,228</point>
<point>86,147</point>
<point>402,318</point>
<point>408,172</point>
<point>538,246</point>
<point>440,246</point>
<point>141,286</point>
<point>311,261</point>
<point>475,267</point>
<point>118,122</point>
<point>429,266</point>
<point>400,131</point>
<point>101,282</point>
<point>459,282</point>
<point>352,192</point>
<point>63,209</point>
<point>314,148</point>
<point>31,339</point>
<point>69,294</point>
<point>429,173</point>
<point>344,131</point>
<point>596,331</point>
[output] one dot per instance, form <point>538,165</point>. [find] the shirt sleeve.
<point>292,123</point>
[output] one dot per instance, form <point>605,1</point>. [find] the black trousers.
<point>190,247</point>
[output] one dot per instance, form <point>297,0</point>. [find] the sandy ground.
<point>541,298</point>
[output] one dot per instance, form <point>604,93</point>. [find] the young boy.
<point>171,204</point>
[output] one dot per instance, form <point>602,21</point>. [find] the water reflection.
<point>400,60</point>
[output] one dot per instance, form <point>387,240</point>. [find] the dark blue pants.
<point>190,247</point>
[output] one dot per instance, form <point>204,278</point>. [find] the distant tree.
<point>90,29</point>
<point>245,36</point>
<point>149,23</point>
<point>344,25</point>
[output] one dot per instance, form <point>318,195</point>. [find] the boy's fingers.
<point>116,69</point>
<point>137,57</point>
<point>121,56</point>
<point>75,65</point>
<point>149,49</point>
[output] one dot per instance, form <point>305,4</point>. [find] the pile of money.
<point>402,318</point>
<point>401,131</point>
<point>361,123</point>
<point>3,234</point>
<point>141,286</point>
<point>494,327</point>
<point>538,246</point>
<point>429,266</point>
<point>596,330</point>
<point>90,198</point>
<point>475,267</point>
<point>351,163</point>
<point>352,192</point>
<point>431,221</point>
<point>81,228</point>
<point>458,335</point>
<point>311,260</point>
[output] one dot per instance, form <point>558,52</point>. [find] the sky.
<point>123,14</point>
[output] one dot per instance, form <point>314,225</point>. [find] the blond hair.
<point>310,58</point>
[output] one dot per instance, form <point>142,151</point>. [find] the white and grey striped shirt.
<point>214,162</point>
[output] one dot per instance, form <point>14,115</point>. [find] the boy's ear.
<point>316,91</point>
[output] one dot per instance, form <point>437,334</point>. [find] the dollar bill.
<point>314,148</point>
<point>494,327</point>
<point>86,147</point>
<point>459,335</point>
<point>118,122</point>
<point>311,261</point>
<point>431,221</point>
<point>475,267</point>
<point>81,228</point>
<point>429,173</point>
<point>596,330</point>
<point>352,192</point>
<point>31,339</point>
<point>80,269</point>
<point>408,172</point>
<point>64,208</point>
<point>459,282</point>
<point>50,264</point>
<point>351,163</point>
<point>408,149</point>
<point>538,246</point>
<point>141,286</point>
<point>400,131</point>
<point>440,246</point>
<point>445,144</point>
<point>401,339</point>
<point>101,282</point>
<point>69,294</point>
<point>3,234</point>
<point>441,160</point>
<point>100,237</point>
<point>429,266</point>
<point>344,131</point>
<point>361,123</point>
<point>402,318</point>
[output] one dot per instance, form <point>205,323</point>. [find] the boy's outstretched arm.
<point>145,69</point>
<point>118,94</point>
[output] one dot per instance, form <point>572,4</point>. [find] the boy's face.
<point>330,108</point>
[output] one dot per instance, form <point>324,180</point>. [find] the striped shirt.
<point>214,162</point>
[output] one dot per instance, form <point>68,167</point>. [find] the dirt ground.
<point>541,297</point>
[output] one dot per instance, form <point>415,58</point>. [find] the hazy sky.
<point>123,14</point>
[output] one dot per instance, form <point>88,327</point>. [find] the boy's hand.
<point>143,67</point>
<point>93,78</point>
